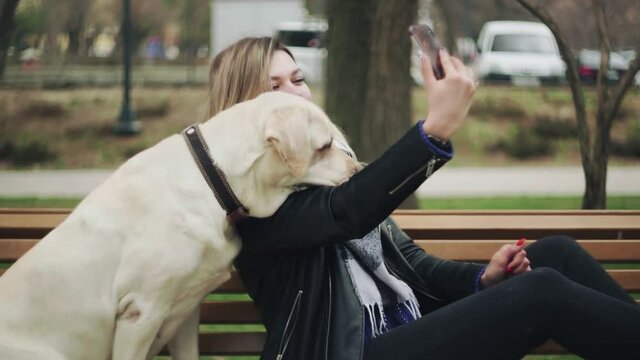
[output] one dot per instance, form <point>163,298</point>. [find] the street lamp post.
<point>127,124</point>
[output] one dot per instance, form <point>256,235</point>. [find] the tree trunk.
<point>7,12</point>
<point>595,196</point>
<point>593,154</point>
<point>348,45</point>
<point>75,31</point>
<point>387,110</point>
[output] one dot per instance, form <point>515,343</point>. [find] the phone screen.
<point>429,44</point>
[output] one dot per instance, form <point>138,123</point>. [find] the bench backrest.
<point>612,237</point>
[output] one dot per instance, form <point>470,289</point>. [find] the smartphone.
<point>429,44</point>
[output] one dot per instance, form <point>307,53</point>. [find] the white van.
<point>306,41</point>
<point>520,52</point>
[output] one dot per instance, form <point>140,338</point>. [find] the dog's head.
<point>302,147</point>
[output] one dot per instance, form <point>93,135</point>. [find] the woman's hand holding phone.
<point>449,99</point>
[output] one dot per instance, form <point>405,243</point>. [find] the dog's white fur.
<point>126,272</point>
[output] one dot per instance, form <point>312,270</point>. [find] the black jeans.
<point>567,297</point>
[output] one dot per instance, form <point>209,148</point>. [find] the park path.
<point>447,182</point>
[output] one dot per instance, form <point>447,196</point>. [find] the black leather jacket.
<point>291,266</point>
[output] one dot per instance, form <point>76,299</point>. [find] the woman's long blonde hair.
<point>241,72</point>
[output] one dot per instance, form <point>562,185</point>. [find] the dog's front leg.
<point>184,345</point>
<point>137,326</point>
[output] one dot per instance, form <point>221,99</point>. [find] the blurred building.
<point>232,20</point>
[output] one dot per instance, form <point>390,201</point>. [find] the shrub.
<point>155,109</point>
<point>6,149</point>
<point>30,152</point>
<point>497,107</point>
<point>134,149</point>
<point>625,111</point>
<point>546,126</point>
<point>43,108</point>
<point>630,147</point>
<point>523,144</point>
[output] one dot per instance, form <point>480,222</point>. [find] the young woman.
<point>335,278</point>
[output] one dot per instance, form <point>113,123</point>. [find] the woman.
<point>335,278</point>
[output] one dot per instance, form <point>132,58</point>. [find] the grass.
<point>525,203</point>
<point>76,124</point>
<point>480,203</point>
<point>37,202</point>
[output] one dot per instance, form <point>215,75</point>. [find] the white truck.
<point>519,52</point>
<point>306,41</point>
<point>232,20</point>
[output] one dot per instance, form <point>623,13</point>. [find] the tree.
<point>7,26</point>
<point>594,138</point>
<point>368,88</point>
<point>348,44</point>
<point>387,106</point>
<point>75,25</point>
<point>194,26</point>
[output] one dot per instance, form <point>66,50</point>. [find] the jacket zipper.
<point>430,165</point>
<point>418,287</point>
<point>284,342</point>
<point>326,348</point>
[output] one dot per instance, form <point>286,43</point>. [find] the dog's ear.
<point>287,130</point>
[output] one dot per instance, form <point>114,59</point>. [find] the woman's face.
<point>286,76</point>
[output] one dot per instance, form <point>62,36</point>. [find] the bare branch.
<point>572,76</point>
<point>605,51</point>
<point>621,89</point>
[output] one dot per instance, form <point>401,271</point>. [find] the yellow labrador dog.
<point>126,272</point>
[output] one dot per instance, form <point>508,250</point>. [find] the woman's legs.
<point>509,319</point>
<point>566,256</point>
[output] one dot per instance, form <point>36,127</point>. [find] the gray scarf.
<point>373,283</point>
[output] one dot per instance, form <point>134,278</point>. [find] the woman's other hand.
<point>509,260</point>
<point>449,99</point>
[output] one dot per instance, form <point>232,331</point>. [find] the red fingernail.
<point>509,269</point>
<point>521,241</point>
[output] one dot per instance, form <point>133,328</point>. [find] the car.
<point>630,56</point>
<point>306,41</point>
<point>518,52</point>
<point>588,62</point>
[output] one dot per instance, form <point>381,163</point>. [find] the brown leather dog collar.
<point>236,212</point>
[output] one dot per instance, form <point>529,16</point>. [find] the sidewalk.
<point>448,182</point>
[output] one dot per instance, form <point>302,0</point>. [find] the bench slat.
<point>26,225</point>
<point>628,279</point>
<point>463,250</point>
<point>514,224</point>
<point>482,250</point>
<point>229,312</point>
<point>251,343</point>
<point>611,236</point>
<point>19,223</point>
<point>229,343</point>
<point>12,249</point>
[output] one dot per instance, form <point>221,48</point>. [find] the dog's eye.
<point>326,146</point>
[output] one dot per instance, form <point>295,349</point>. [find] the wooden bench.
<point>613,237</point>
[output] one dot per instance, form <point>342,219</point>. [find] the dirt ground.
<point>73,127</point>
